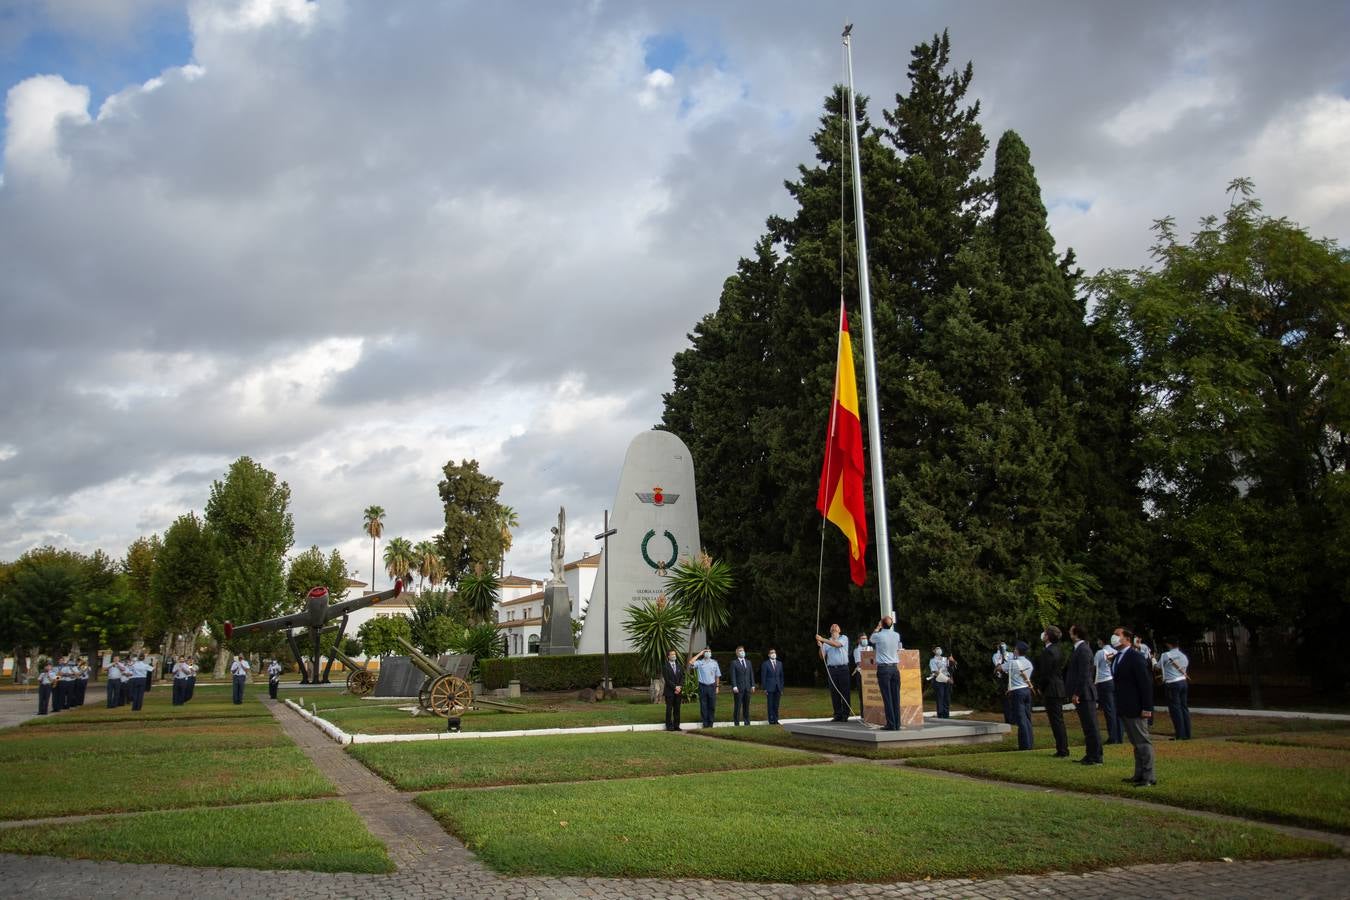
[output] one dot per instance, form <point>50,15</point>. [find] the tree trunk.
<point>1254,648</point>
<point>218,671</point>
<point>658,689</point>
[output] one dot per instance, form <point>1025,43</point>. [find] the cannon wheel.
<point>361,682</point>
<point>449,694</point>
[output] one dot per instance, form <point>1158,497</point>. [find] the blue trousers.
<point>1106,701</point>
<point>944,699</point>
<point>44,698</point>
<point>1021,708</point>
<point>771,699</point>
<point>179,689</point>
<point>888,682</point>
<point>114,692</point>
<point>1179,708</point>
<point>239,682</point>
<point>707,703</point>
<point>137,692</point>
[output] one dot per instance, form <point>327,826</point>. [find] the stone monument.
<point>555,636</point>
<point>656,516</point>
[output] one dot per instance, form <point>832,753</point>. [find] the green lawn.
<point>365,717</point>
<point>321,837</point>
<point>158,705</point>
<point>1327,740</point>
<point>432,764</point>
<point>1299,785</point>
<point>20,744</point>
<point>824,823</point>
<point>123,780</point>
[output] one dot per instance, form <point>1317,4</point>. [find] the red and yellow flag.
<point>841,478</point>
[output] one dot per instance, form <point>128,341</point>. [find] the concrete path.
<point>17,707</point>
<point>434,864</point>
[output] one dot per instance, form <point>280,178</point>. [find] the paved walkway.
<point>17,707</point>
<point>431,863</point>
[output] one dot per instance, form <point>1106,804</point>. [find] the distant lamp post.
<point>605,536</point>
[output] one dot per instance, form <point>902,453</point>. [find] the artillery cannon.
<point>443,693</point>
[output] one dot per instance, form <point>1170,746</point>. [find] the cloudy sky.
<point>356,240</point>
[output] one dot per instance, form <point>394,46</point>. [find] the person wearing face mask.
<point>1106,688</point>
<point>771,683</point>
<point>1020,672</point>
<point>1134,703</point>
<point>1082,690</point>
<point>1001,657</point>
<point>834,650</point>
<point>742,687</point>
<point>857,671</point>
<point>886,643</point>
<point>708,674</point>
<point>1050,684</point>
<point>940,671</point>
<point>673,673</point>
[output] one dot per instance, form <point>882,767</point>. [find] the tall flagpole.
<point>881,536</point>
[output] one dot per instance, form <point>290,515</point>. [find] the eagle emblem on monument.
<point>658,497</point>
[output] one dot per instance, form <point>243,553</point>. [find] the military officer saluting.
<point>114,681</point>
<point>239,676</point>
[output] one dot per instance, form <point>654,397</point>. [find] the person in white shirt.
<point>114,680</point>
<point>886,645</point>
<point>858,649</point>
<point>1173,665</point>
<point>180,678</point>
<point>239,676</point>
<point>940,671</point>
<point>1106,690</point>
<point>273,678</point>
<point>1019,693</point>
<point>1000,659</point>
<point>140,674</point>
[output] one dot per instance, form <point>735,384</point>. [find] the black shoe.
<point>1131,780</point>
<point>1063,755</point>
<point>1149,783</point>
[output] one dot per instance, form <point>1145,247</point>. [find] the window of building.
<point>534,643</point>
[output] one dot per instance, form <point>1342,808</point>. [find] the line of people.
<point>709,678</point>
<point>1118,677</point>
<point>62,685</point>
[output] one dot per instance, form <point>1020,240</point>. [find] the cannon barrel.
<point>426,664</point>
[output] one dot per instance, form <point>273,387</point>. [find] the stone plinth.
<point>911,690</point>
<point>555,636</point>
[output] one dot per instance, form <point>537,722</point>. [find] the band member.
<point>273,678</point>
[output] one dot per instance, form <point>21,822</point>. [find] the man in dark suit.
<point>742,686</point>
<point>1049,677</point>
<point>771,683</point>
<point>1080,683</point>
<point>673,673</point>
<point>1134,705</point>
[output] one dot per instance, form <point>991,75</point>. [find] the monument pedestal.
<point>555,636</point>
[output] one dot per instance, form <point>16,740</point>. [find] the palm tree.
<point>479,590</point>
<point>506,520</point>
<point>427,561</point>
<point>701,585</point>
<point>655,629</point>
<point>374,528</point>
<point>398,558</point>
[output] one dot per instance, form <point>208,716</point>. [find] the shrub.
<point>562,673</point>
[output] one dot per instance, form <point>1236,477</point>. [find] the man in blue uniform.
<point>46,678</point>
<point>239,676</point>
<point>834,650</point>
<point>708,674</point>
<point>140,675</point>
<point>1019,693</point>
<point>114,676</point>
<point>886,643</point>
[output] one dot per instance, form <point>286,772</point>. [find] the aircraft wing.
<point>346,606</point>
<point>291,621</point>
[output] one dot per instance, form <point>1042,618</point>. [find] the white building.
<point>520,611</point>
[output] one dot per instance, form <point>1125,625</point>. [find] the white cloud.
<point>35,111</point>
<point>1187,97</point>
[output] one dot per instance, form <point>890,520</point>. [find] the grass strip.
<point>320,837</point>
<point>825,823</point>
<point>186,736</point>
<point>419,766</point>
<point>126,781</point>
<point>158,709</point>
<point>1327,740</point>
<point>1297,785</point>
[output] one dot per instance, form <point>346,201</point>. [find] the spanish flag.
<point>841,478</point>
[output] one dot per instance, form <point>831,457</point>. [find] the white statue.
<point>556,549</point>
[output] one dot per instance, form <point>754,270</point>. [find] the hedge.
<point>568,673</point>
<point>562,673</point>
